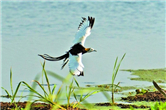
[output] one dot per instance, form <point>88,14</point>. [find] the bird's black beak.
<point>95,50</point>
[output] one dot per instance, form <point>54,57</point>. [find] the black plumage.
<point>76,51</point>
<point>77,48</point>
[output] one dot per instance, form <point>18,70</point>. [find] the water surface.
<point>32,28</point>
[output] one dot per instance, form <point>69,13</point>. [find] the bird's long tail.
<point>50,58</point>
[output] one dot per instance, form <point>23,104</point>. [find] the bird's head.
<point>90,50</point>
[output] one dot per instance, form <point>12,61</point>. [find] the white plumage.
<point>74,55</point>
<point>75,61</point>
<point>75,64</point>
<point>83,32</point>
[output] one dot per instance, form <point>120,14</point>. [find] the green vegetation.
<point>49,96</point>
<point>70,88</point>
<point>159,106</point>
<point>12,96</point>
<point>113,86</point>
<point>114,73</point>
<point>159,75</point>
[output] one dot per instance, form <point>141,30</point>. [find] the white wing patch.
<point>83,32</point>
<point>75,64</point>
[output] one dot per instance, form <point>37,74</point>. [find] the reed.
<point>114,73</point>
<point>113,86</point>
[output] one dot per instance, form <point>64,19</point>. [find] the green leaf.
<point>76,82</point>
<point>115,71</point>
<point>89,94</point>
<point>53,89</point>
<point>33,86</point>
<point>11,81</point>
<point>6,91</point>
<point>42,98</point>
<point>58,93</point>
<point>113,74</point>
<point>55,75</point>
<point>32,90</point>
<point>117,85</point>
<point>107,96</point>
<point>14,95</point>
<point>117,68</point>
<point>47,80</point>
<point>75,96</point>
<point>81,98</point>
<point>41,87</point>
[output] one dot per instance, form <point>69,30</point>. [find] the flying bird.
<point>74,55</point>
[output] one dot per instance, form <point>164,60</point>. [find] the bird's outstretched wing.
<point>84,30</point>
<point>75,64</point>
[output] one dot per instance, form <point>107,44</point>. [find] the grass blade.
<point>33,86</point>
<point>113,74</point>
<point>48,84</point>
<point>70,92</point>
<point>117,85</point>
<point>6,92</point>
<point>75,97</point>
<point>41,87</point>
<point>117,69</point>
<point>11,81</point>
<point>14,95</point>
<point>67,78</point>
<point>89,94</point>
<point>76,83</point>
<point>58,94</point>
<point>53,89</point>
<point>34,91</point>
<point>55,75</point>
<point>107,96</point>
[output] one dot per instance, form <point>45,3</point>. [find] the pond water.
<point>32,28</point>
